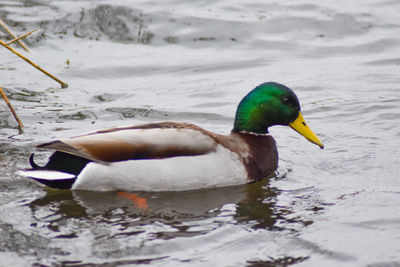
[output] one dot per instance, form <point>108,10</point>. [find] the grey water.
<point>130,62</point>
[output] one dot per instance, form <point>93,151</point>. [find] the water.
<point>130,62</point>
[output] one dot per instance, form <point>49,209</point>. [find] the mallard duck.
<point>175,156</point>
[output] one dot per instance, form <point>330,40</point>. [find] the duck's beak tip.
<point>300,126</point>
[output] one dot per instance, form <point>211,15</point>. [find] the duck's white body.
<point>216,169</point>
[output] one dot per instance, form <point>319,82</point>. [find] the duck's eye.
<point>286,101</point>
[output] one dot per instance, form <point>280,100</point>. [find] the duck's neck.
<point>251,119</point>
<point>249,128</point>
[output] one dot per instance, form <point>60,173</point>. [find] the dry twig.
<point>63,84</point>
<point>20,125</point>
<point>22,36</point>
<point>12,35</point>
<point>17,39</point>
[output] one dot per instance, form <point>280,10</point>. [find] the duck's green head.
<point>271,104</point>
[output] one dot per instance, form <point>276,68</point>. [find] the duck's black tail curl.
<point>33,164</point>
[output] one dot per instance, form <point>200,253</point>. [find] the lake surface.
<point>130,62</point>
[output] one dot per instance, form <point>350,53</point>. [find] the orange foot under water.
<point>138,202</point>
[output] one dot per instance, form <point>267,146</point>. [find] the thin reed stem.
<point>2,24</point>
<point>63,84</point>
<point>20,125</point>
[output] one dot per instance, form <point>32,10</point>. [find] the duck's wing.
<point>146,141</point>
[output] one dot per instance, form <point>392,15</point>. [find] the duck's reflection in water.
<point>253,203</point>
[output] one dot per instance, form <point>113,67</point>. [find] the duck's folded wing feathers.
<point>146,142</point>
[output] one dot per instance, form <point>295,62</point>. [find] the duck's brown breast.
<point>257,152</point>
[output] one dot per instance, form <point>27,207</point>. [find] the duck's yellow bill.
<point>300,126</point>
